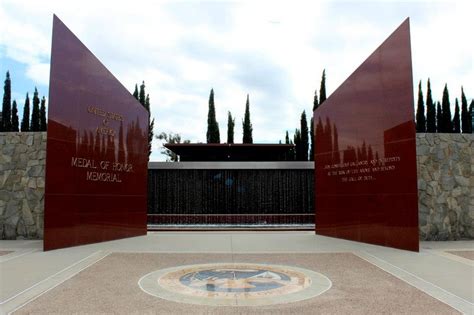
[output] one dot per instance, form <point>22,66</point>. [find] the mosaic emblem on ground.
<point>239,284</point>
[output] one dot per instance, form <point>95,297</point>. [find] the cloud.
<point>39,72</point>
<point>273,50</point>
<point>216,15</point>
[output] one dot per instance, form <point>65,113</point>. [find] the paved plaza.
<point>236,273</point>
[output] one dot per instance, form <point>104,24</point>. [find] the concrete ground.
<point>31,279</point>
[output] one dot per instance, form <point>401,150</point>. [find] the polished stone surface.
<point>365,152</point>
<point>234,284</point>
<point>97,150</point>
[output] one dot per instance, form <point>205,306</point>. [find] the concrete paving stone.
<point>447,278</point>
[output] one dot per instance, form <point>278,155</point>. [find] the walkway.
<point>353,277</point>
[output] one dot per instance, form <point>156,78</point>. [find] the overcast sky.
<point>273,50</point>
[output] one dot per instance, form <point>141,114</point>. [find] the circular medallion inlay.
<point>239,284</point>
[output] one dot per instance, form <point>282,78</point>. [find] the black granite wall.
<point>230,196</point>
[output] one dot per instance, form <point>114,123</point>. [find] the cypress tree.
<point>292,155</point>
<point>289,154</point>
<point>144,99</point>
<point>311,135</point>
<point>35,115</point>
<point>304,137</point>
<point>456,121</point>
<point>135,93</point>
<point>230,128</point>
<point>446,126</point>
<point>315,100</point>
<point>439,118</point>
<point>151,123</point>
<point>298,148</point>
<point>322,89</point>
<point>141,95</point>
<point>6,123</point>
<point>311,127</point>
<point>43,118</point>
<point>246,124</point>
<point>430,111</point>
<point>25,122</point>
<point>147,103</point>
<point>150,134</point>
<point>15,122</point>
<point>465,116</point>
<point>471,116</point>
<point>212,134</point>
<point>420,112</point>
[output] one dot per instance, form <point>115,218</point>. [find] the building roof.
<point>230,152</point>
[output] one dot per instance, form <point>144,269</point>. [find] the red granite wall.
<point>365,151</point>
<point>96,162</point>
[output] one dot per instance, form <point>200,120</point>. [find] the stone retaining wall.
<point>22,166</point>
<point>445,185</point>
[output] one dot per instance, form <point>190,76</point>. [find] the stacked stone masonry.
<point>445,185</point>
<point>22,169</point>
